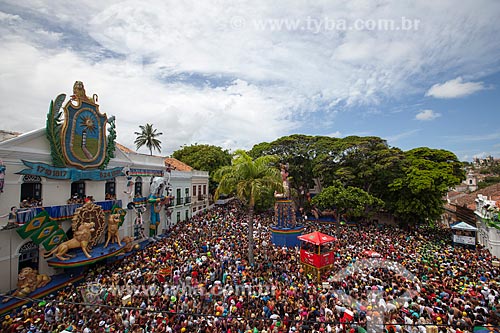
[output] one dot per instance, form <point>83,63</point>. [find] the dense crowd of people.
<point>198,279</point>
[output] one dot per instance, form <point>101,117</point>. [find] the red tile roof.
<point>177,165</point>
<point>124,149</point>
<point>468,200</point>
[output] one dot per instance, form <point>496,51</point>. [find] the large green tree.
<point>364,162</point>
<point>351,203</point>
<point>204,157</point>
<point>416,195</point>
<point>148,137</point>
<point>249,180</point>
<point>299,152</point>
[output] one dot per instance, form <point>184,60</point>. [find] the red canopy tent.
<point>317,238</point>
<point>314,254</point>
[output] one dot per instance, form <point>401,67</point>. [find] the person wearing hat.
<point>6,322</point>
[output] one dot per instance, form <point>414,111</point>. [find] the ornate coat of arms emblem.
<point>79,138</point>
<point>83,131</point>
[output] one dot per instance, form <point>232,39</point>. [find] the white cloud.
<point>425,115</point>
<point>261,84</point>
<point>393,139</point>
<point>336,134</point>
<point>8,18</point>
<point>231,117</point>
<point>454,88</point>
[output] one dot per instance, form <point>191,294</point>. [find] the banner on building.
<point>467,240</point>
<point>52,172</point>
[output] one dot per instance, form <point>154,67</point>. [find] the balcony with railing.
<point>187,200</point>
<point>62,212</point>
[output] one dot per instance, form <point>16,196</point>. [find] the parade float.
<point>285,230</point>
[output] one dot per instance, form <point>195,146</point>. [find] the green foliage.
<point>299,152</point>
<point>495,169</point>
<point>111,146</point>
<point>350,201</point>
<point>265,202</point>
<point>204,157</point>
<point>488,181</point>
<point>53,131</point>
<point>364,162</point>
<point>248,179</point>
<point>427,174</point>
<point>490,170</point>
<point>147,137</point>
<point>411,184</point>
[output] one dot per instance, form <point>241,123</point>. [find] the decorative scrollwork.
<point>90,212</point>
<point>32,179</point>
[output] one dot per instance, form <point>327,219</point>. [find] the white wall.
<point>9,240</point>
<point>199,178</point>
<point>489,237</point>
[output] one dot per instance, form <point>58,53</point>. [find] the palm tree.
<point>147,137</point>
<point>249,180</point>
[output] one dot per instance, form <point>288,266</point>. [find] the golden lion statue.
<point>80,239</point>
<point>27,282</point>
<point>80,95</point>
<point>129,244</point>
<point>113,226</point>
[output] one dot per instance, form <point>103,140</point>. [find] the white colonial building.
<point>200,197</point>
<point>54,195</point>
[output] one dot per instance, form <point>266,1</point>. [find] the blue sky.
<point>236,73</point>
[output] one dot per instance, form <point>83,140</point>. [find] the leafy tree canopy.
<point>299,152</point>
<point>350,201</point>
<point>427,174</point>
<point>203,157</point>
<point>411,183</point>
